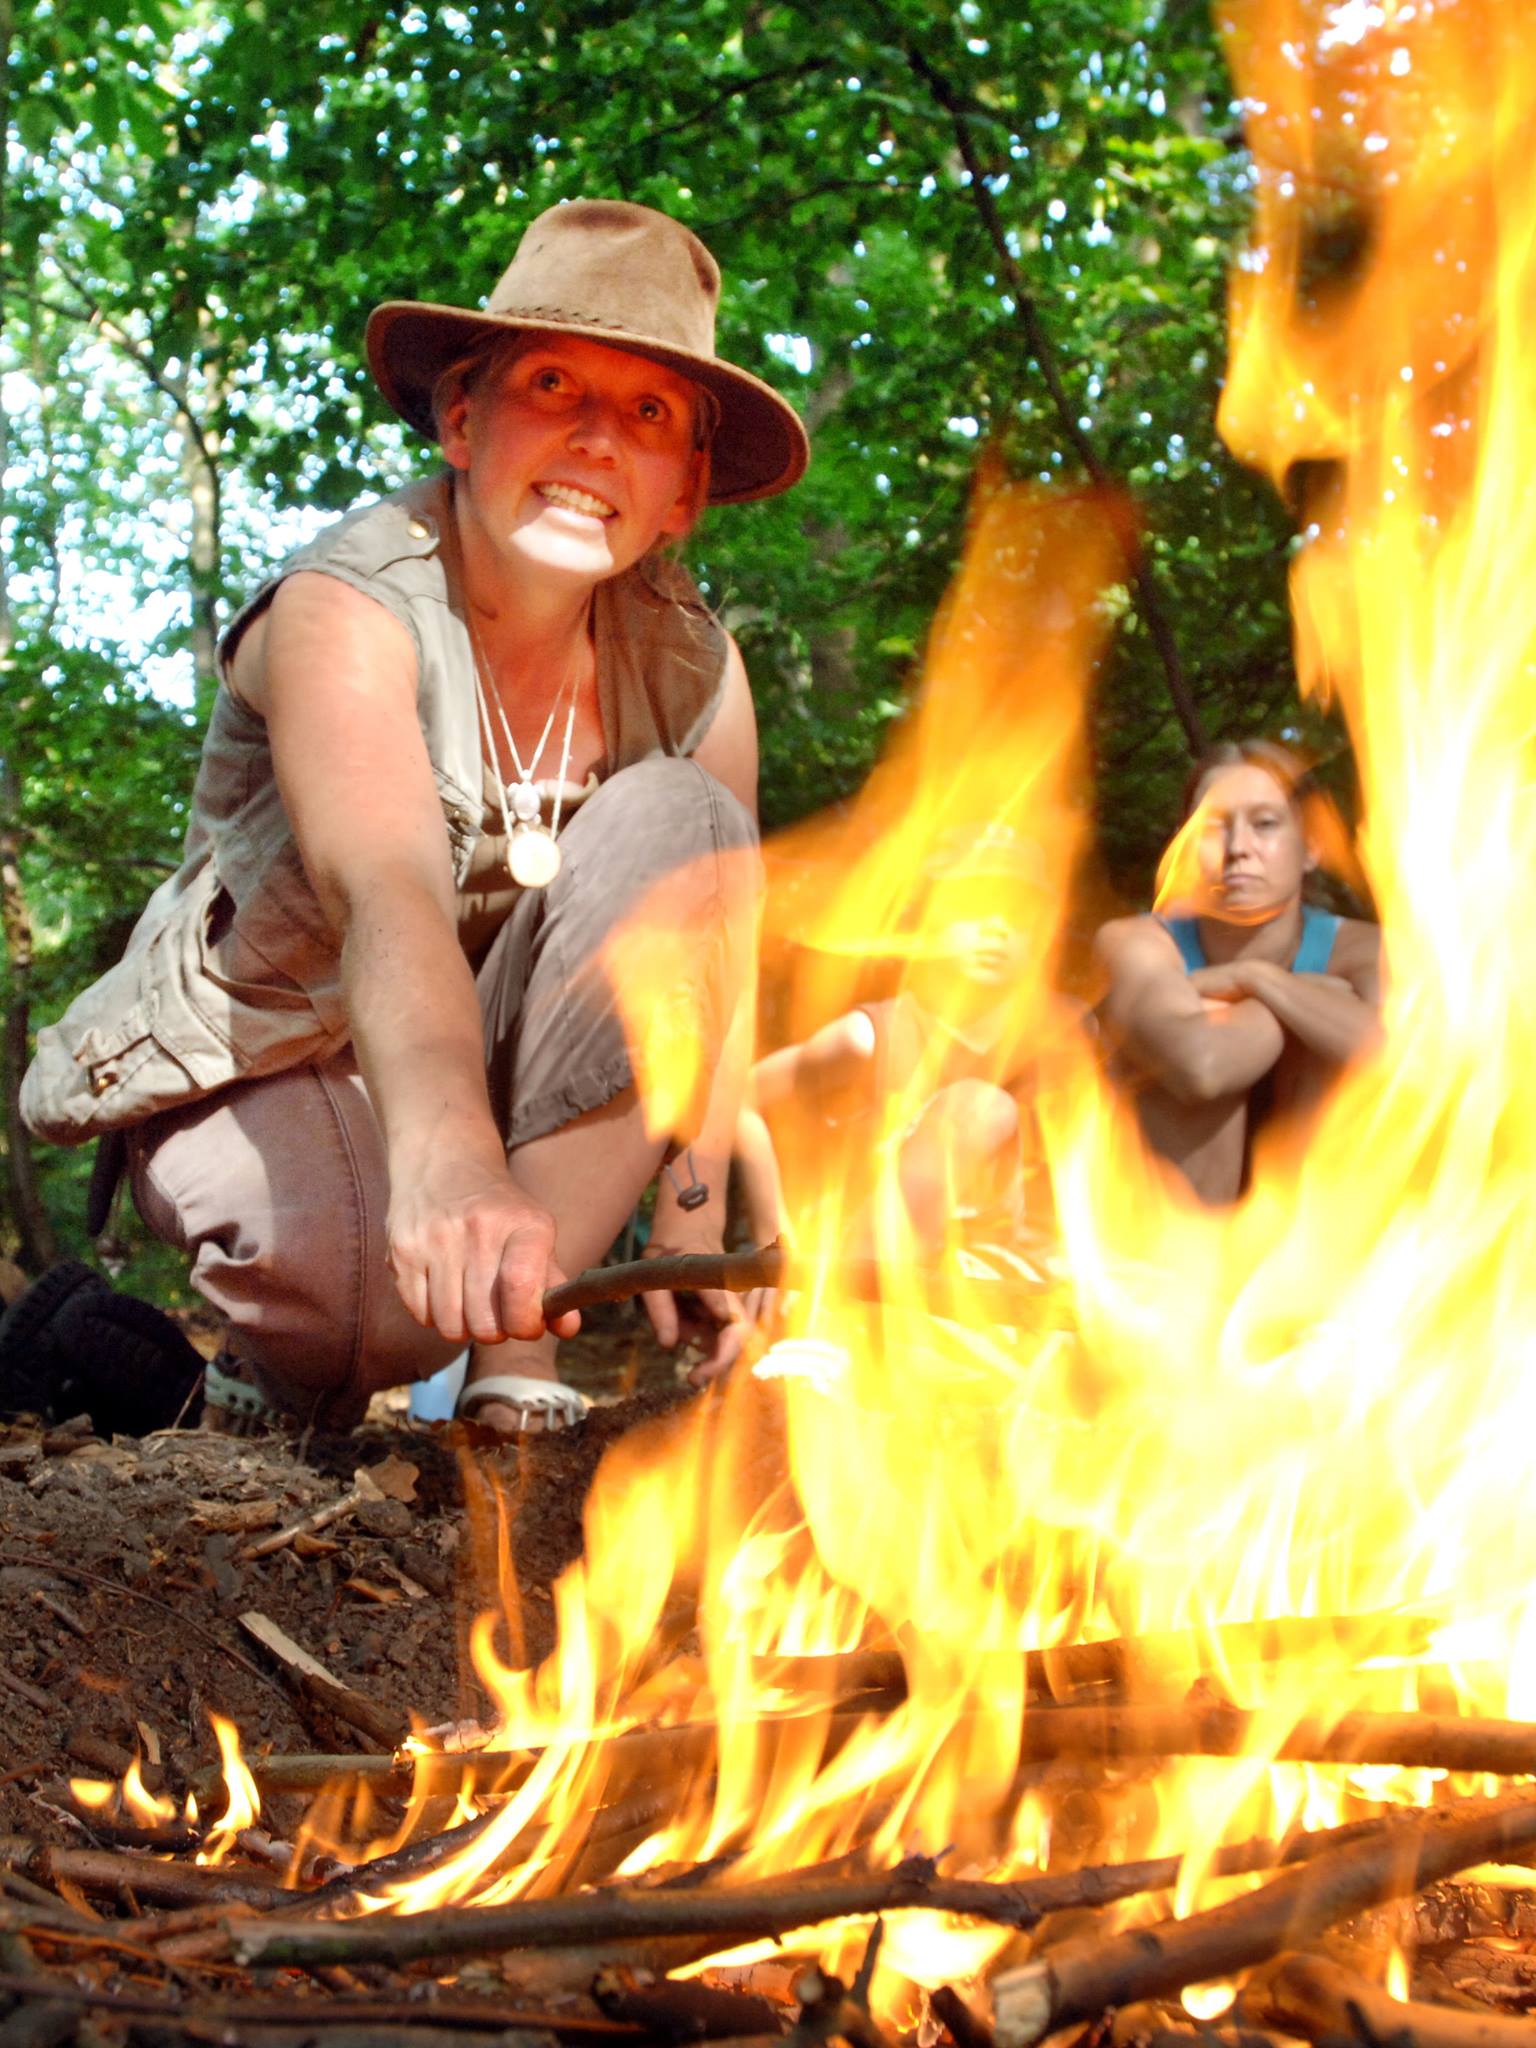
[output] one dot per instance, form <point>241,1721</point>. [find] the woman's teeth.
<point>575,501</point>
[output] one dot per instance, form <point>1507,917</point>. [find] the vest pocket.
<point>167,1024</point>
<point>104,1064</point>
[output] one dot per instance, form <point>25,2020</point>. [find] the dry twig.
<point>771,1906</point>
<point>1311,1996</point>
<point>1080,1978</point>
<point>1427,1741</point>
<point>104,1872</point>
<point>380,1724</point>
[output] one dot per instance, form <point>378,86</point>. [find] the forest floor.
<point>123,1578</point>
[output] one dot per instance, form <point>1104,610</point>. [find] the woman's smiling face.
<point>578,458</point>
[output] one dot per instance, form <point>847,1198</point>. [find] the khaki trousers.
<point>278,1188</point>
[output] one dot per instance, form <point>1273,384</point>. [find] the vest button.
<point>102,1078</point>
<point>419,529</point>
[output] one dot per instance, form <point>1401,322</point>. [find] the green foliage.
<point>206,198</point>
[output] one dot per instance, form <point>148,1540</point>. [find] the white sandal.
<point>553,1404</point>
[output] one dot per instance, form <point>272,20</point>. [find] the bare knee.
<point>962,1154</point>
<point>972,1120</point>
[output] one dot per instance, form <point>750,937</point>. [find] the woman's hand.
<point>723,1321</point>
<point>472,1254</point>
<point>1231,980</point>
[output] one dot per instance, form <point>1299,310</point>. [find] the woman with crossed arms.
<point>1240,1007</point>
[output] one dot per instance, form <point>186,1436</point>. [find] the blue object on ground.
<point>434,1400</point>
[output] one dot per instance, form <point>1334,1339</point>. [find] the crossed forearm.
<point>1320,1010</point>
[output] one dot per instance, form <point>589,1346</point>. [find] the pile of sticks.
<point>108,1944</point>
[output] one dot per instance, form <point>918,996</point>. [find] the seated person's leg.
<point>1205,1141</point>
<point>963,1156</point>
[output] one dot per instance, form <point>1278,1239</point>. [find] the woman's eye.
<point>652,411</point>
<point>548,380</point>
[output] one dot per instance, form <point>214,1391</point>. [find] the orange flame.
<point>242,1801</point>
<point>132,1796</point>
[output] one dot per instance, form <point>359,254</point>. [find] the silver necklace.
<point>533,848</point>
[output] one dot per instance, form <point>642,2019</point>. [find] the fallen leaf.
<point>412,1588</point>
<point>381,1596</point>
<point>395,1477</point>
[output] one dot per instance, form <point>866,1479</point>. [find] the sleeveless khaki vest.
<point>233,970</point>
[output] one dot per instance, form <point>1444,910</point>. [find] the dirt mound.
<point>124,1573</point>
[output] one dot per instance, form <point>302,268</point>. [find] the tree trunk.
<point>34,1232</point>
<point>200,477</point>
<point>35,1239</point>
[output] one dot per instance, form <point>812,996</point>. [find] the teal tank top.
<point>1319,929</point>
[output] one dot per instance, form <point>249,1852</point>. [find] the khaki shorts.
<point>277,1188</point>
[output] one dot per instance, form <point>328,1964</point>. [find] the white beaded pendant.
<point>533,856</point>
<point>523,802</point>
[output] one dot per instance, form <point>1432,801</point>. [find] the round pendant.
<point>533,857</point>
<point>523,803</point>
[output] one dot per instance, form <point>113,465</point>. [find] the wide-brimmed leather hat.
<point>630,278</point>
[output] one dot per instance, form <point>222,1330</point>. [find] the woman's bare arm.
<point>822,1072</point>
<point>1153,1013</point>
<point>334,675</point>
<point>729,748</point>
<point>1336,1015</point>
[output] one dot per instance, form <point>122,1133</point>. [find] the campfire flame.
<point>1309,1409</point>
<point>131,1797</point>
<point>242,1801</point>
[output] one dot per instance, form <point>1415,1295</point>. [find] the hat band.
<point>568,317</point>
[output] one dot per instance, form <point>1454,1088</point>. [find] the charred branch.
<point>1422,1741</point>
<point>773,1906</point>
<point>1080,1978</point>
<point>1311,1996</point>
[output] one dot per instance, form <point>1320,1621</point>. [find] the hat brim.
<point>759,447</point>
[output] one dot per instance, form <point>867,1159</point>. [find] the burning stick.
<point>1081,1978</point>
<point>636,1756</point>
<point>769,1907</point>
<point>1121,1660</point>
<point>1003,1301</point>
<point>1424,1741</point>
<point>1311,1996</point>
<point>747,1912</point>
<point>106,1872</point>
<point>640,1755</point>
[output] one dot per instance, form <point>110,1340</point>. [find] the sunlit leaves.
<point>206,197</point>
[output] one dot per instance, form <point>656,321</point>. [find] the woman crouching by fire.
<point>1236,1006</point>
<point>373,1075</point>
